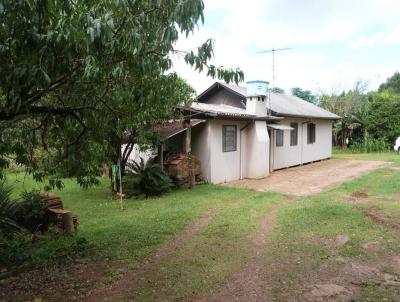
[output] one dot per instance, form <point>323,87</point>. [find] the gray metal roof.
<point>222,110</point>
<point>285,105</point>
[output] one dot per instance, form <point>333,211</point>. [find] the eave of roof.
<point>228,115</point>
<point>306,116</point>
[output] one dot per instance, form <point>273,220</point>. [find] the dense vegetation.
<point>370,121</point>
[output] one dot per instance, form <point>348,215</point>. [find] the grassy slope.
<point>299,253</point>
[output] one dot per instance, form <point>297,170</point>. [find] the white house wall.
<point>225,166</point>
<point>201,148</point>
<point>250,160</point>
<point>322,148</point>
<point>287,156</point>
<point>257,155</point>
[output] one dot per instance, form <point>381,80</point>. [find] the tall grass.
<point>369,146</point>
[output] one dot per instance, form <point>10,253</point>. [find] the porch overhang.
<point>279,127</point>
<point>173,128</point>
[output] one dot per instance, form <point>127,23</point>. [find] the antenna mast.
<point>273,50</point>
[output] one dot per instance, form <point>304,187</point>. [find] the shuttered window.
<point>310,133</point>
<point>229,138</point>
<point>279,138</point>
<point>294,134</point>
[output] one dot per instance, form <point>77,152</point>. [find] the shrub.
<point>370,145</point>
<point>21,251</point>
<point>32,212</point>
<point>25,213</point>
<point>8,211</point>
<point>14,251</point>
<point>149,178</point>
<point>21,217</point>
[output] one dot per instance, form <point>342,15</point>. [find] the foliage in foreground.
<point>74,75</point>
<point>21,251</point>
<point>20,243</point>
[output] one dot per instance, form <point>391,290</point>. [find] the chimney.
<point>256,99</point>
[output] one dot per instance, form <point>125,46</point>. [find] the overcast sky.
<point>333,43</point>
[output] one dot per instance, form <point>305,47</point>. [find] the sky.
<point>333,43</point>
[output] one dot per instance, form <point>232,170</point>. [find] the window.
<point>229,138</point>
<point>294,133</point>
<point>279,138</point>
<point>310,133</point>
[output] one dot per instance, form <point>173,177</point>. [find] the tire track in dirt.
<point>250,284</point>
<point>128,280</point>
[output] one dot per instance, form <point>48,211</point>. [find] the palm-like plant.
<point>150,178</point>
<point>8,210</point>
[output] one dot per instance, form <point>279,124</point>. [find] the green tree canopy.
<point>383,120</point>
<point>306,95</point>
<point>278,90</point>
<point>392,83</point>
<point>352,107</point>
<point>74,72</point>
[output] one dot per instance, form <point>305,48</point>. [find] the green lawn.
<point>143,225</point>
<point>381,156</point>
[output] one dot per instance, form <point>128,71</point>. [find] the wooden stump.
<point>68,221</point>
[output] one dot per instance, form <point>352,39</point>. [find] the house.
<point>248,132</point>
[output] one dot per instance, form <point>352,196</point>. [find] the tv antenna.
<point>273,50</point>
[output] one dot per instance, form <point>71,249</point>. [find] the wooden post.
<point>161,155</point>
<point>188,140</point>
<point>188,151</point>
<point>120,184</point>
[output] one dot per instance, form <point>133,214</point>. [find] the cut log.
<point>68,221</point>
<point>64,220</point>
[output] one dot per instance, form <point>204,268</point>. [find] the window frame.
<point>311,133</point>
<point>224,147</point>
<point>294,134</point>
<point>279,142</point>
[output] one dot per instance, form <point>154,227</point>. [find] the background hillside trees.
<point>306,95</point>
<point>392,84</point>
<point>383,119</point>
<point>366,118</point>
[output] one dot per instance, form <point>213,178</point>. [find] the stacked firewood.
<point>64,220</point>
<point>52,201</point>
<point>182,167</point>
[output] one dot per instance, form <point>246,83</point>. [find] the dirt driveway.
<point>312,178</point>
